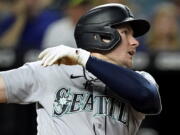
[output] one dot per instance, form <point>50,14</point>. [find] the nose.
<point>134,41</point>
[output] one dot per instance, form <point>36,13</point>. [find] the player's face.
<point>124,52</point>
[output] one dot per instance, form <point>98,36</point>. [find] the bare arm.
<point>3,97</point>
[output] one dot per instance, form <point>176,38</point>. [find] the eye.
<point>124,32</point>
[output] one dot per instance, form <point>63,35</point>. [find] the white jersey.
<point>70,101</point>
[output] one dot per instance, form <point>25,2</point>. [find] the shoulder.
<point>62,69</point>
<point>36,64</point>
<point>37,68</point>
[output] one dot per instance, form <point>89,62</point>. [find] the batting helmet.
<point>100,22</point>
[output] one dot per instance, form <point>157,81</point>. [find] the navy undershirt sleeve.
<point>129,85</point>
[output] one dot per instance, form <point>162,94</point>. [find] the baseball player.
<point>92,90</point>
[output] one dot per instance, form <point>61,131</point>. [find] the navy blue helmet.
<point>101,22</point>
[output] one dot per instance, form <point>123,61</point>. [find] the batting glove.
<point>64,55</point>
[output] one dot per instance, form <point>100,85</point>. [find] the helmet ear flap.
<point>110,37</point>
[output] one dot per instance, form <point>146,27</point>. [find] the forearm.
<point>129,85</point>
<point>3,97</point>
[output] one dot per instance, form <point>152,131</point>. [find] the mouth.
<point>132,52</point>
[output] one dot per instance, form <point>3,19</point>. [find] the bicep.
<point>3,97</point>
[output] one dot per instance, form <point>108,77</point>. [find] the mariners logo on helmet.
<point>101,21</point>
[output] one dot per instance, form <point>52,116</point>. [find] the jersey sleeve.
<point>21,84</point>
<point>137,89</point>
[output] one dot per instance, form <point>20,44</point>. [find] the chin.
<point>125,64</point>
<point>129,65</point>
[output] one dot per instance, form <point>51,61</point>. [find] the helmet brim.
<point>139,26</point>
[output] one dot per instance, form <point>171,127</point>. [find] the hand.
<point>64,55</point>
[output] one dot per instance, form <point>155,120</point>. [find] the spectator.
<point>177,3</point>
<point>62,31</point>
<point>24,29</point>
<point>147,6</point>
<point>164,33</point>
<point>3,10</point>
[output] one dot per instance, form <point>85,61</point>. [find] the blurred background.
<point>28,26</point>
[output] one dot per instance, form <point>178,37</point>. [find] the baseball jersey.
<point>70,101</point>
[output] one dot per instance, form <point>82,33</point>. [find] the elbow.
<point>152,105</point>
<point>149,102</point>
